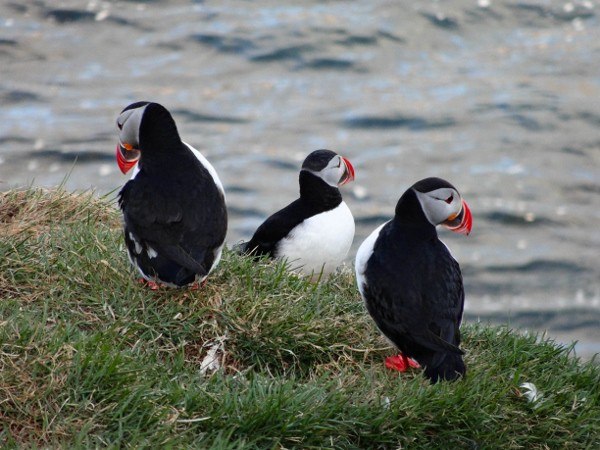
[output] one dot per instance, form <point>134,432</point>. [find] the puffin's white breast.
<point>136,170</point>
<point>320,242</point>
<point>362,257</point>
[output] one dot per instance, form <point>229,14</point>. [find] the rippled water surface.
<point>499,97</point>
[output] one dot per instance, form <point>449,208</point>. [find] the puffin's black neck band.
<point>317,193</point>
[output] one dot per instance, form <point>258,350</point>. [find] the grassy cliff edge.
<point>257,359</point>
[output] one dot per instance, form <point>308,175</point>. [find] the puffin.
<point>412,286</point>
<point>173,206</point>
<point>314,232</point>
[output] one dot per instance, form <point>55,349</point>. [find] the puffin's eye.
<point>120,125</point>
<point>449,199</point>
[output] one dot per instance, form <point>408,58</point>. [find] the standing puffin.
<point>411,284</point>
<point>314,232</point>
<point>173,205</point>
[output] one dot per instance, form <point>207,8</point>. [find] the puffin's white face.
<point>337,172</point>
<point>445,206</point>
<point>128,124</point>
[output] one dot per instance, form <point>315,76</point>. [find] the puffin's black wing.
<point>449,306</point>
<point>267,236</point>
<point>446,297</point>
<point>405,325</point>
<point>181,221</point>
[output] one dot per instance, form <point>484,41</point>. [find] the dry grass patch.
<point>35,211</point>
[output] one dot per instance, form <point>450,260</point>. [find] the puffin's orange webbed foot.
<point>196,286</point>
<point>401,363</point>
<point>150,284</point>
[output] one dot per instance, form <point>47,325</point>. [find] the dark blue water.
<point>499,97</point>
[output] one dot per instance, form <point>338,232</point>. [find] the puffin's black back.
<point>316,196</point>
<point>172,206</point>
<point>414,291</point>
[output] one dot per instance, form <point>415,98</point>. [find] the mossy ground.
<point>90,358</point>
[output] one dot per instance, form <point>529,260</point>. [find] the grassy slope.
<point>90,358</point>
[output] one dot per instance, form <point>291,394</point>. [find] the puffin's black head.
<point>139,124</point>
<point>439,202</point>
<point>332,168</point>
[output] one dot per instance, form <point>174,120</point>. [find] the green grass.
<point>89,358</point>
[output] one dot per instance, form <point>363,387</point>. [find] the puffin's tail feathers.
<point>244,249</point>
<point>241,248</point>
<point>450,368</point>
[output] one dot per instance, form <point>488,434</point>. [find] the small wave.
<point>65,16</point>
<point>544,266</point>
<point>514,108</point>
<point>592,188</point>
<point>441,21</point>
<point>281,164</point>
<point>8,42</point>
<point>127,23</point>
<point>516,113</point>
<point>529,12</point>
<point>238,189</point>
<point>390,36</point>
<point>399,121</point>
<point>589,117</point>
<point>352,41</point>
<point>568,319</point>
<point>224,44</point>
<point>292,52</point>
<point>199,117</point>
<point>15,140</point>
<point>529,123</point>
<point>574,151</point>
<point>327,64</point>
<point>70,15</point>
<point>19,96</point>
<point>69,156</point>
<point>507,218</point>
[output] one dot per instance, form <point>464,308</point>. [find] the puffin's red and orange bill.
<point>349,171</point>
<point>464,221</point>
<point>126,163</point>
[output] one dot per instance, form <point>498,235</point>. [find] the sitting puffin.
<point>411,284</point>
<point>173,205</point>
<point>314,232</point>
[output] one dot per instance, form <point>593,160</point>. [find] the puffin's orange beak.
<point>462,222</point>
<point>127,157</point>
<point>348,173</point>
